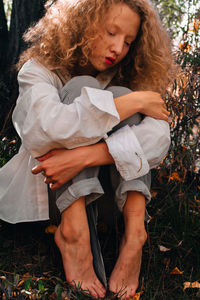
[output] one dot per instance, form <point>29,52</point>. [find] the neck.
<point>85,70</point>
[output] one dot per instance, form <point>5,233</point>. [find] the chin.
<point>104,68</point>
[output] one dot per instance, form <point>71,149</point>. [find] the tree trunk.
<point>24,14</point>
<point>3,38</point>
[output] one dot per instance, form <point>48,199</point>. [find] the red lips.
<point>109,60</point>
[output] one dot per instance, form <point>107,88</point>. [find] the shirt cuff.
<point>127,153</point>
<point>101,101</point>
<point>154,138</point>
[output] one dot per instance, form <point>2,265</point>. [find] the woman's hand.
<point>146,102</point>
<point>152,105</point>
<point>60,165</point>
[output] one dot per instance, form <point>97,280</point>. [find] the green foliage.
<point>176,15</point>
<point>8,148</point>
<point>183,104</point>
<point>171,13</point>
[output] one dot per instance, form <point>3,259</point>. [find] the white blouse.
<point>43,123</point>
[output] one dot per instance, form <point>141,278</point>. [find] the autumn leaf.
<point>153,193</point>
<point>175,176</point>
<point>20,283</point>
<point>193,285</point>
<point>176,271</point>
<point>180,194</point>
<point>184,148</point>
<point>51,229</point>
<point>163,249</point>
<point>136,297</point>
<point>196,25</point>
<point>195,198</point>
<point>26,276</point>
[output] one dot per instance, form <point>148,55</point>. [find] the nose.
<point>117,45</point>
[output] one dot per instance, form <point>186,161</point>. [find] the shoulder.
<point>33,71</point>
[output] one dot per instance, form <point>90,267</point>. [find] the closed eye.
<point>127,44</point>
<point>110,33</point>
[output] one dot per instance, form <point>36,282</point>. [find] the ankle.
<point>136,238</point>
<point>73,234</point>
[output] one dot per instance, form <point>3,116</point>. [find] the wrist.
<point>128,105</point>
<point>84,156</point>
<point>97,155</point>
<point>138,101</point>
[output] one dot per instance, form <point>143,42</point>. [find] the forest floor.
<point>31,266</point>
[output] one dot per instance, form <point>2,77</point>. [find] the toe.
<point>98,284</point>
<point>99,291</point>
<point>92,292</point>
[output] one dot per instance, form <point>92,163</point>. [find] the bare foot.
<point>78,264</point>
<point>125,275</point>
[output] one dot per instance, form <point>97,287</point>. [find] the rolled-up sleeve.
<point>139,148</point>
<point>44,123</point>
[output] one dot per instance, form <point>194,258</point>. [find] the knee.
<point>119,91</point>
<point>72,89</point>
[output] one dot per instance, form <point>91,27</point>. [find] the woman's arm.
<point>61,165</point>
<point>40,114</point>
<point>145,102</point>
<point>43,122</point>
<point>151,140</point>
<point>139,148</point>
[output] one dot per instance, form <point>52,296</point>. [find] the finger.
<point>166,118</point>
<point>44,157</point>
<point>37,169</point>
<point>48,180</point>
<point>54,186</point>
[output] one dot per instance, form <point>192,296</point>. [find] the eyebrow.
<point>117,27</point>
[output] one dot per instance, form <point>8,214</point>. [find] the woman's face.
<point>114,37</point>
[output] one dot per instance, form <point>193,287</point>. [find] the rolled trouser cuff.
<point>90,188</point>
<point>132,185</point>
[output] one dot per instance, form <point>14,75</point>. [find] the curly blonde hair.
<point>62,40</point>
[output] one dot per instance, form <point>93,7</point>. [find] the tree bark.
<point>3,37</point>
<point>24,14</point>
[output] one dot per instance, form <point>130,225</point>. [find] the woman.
<point>121,43</point>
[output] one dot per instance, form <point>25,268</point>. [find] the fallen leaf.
<point>64,296</point>
<point>20,283</point>
<point>136,297</point>
<point>51,229</point>
<point>26,276</point>
<point>194,212</point>
<point>195,198</point>
<point>180,194</point>
<point>175,176</point>
<point>163,249</point>
<point>153,193</point>
<point>184,148</point>
<point>176,271</point>
<point>193,285</point>
<point>180,243</point>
